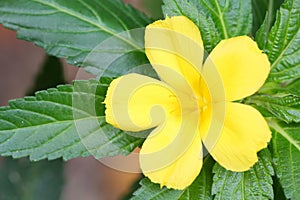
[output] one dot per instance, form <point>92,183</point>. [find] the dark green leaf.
<point>253,184</point>
<point>65,122</point>
<point>153,7</point>
<point>20,179</point>
<point>264,17</point>
<point>51,75</point>
<point>286,155</point>
<point>73,30</point>
<point>283,43</point>
<point>259,8</point>
<point>278,191</point>
<point>200,189</point>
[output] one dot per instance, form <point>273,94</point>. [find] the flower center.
<point>202,103</point>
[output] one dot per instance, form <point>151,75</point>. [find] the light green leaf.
<point>286,156</point>
<point>232,18</point>
<point>65,122</point>
<point>73,30</point>
<point>217,19</point>
<point>253,184</point>
<point>200,189</point>
<point>284,107</point>
<point>283,43</point>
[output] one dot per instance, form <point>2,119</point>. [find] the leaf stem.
<point>222,19</point>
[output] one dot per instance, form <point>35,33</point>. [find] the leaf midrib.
<point>219,14</point>
<point>285,38</point>
<point>54,122</point>
<point>221,19</point>
<point>281,55</point>
<point>283,133</point>
<point>84,19</point>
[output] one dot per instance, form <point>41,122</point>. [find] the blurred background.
<point>26,68</point>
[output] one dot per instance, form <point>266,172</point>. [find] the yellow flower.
<point>192,104</point>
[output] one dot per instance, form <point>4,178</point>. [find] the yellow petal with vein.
<point>135,102</point>
<point>243,67</point>
<point>245,133</point>
<point>172,154</point>
<point>175,49</point>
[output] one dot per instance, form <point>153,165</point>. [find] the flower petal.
<point>243,67</point>
<point>135,102</point>
<point>245,132</point>
<point>175,49</point>
<point>172,154</point>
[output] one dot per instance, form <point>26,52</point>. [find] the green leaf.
<point>200,188</point>
<point>286,156</point>
<point>21,179</point>
<point>284,107</point>
<point>216,19</point>
<point>74,30</point>
<point>65,122</point>
<point>283,43</point>
<point>253,184</point>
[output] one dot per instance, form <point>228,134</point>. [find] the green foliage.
<point>216,19</point>
<point>208,29</point>
<point>294,87</point>
<point>286,156</point>
<point>232,18</point>
<point>264,13</point>
<point>153,7</point>
<point>280,97</point>
<point>283,107</point>
<point>69,121</point>
<point>20,179</point>
<point>200,189</point>
<point>281,44</point>
<point>65,122</point>
<point>73,29</point>
<point>278,191</point>
<point>260,8</point>
<point>51,75</point>
<point>253,184</point>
